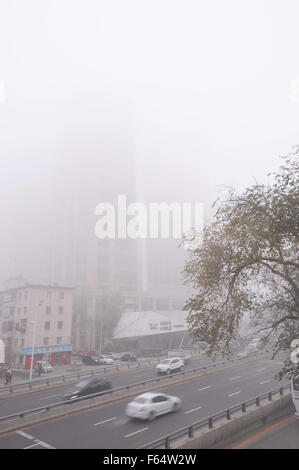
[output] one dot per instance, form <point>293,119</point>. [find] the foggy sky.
<point>197,92</point>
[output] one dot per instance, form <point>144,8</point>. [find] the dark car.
<point>92,360</point>
<point>88,387</point>
<point>129,357</point>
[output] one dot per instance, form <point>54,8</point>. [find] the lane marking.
<point>121,400</point>
<point>136,432</point>
<point>244,443</point>
<point>24,434</point>
<point>233,394</point>
<point>204,388</point>
<point>33,445</point>
<point>194,409</point>
<point>263,368</point>
<point>265,382</point>
<point>106,421</point>
<point>44,444</point>
<point>234,378</point>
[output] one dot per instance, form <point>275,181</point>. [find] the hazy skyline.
<point>200,91</point>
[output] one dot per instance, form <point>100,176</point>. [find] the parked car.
<point>167,366</point>
<point>129,357</point>
<point>106,360</point>
<point>45,367</point>
<point>88,387</point>
<point>92,360</point>
<point>113,356</point>
<point>149,405</point>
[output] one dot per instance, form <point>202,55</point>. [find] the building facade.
<point>39,316</point>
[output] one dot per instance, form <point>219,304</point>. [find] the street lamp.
<point>33,339</point>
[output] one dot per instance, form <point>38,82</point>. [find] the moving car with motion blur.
<point>166,366</point>
<point>149,405</point>
<point>88,387</point>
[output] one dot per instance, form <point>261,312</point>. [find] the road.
<point>283,434</point>
<point>35,399</point>
<point>107,427</point>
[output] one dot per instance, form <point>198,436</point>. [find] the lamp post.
<point>33,339</point>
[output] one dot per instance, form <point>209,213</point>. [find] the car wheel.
<point>151,416</point>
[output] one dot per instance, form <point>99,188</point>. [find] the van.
<point>46,367</point>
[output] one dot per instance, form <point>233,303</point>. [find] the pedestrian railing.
<point>127,388</point>
<point>209,422</point>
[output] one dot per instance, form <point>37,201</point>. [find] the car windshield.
<point>166,361</point>
<point>140,400</point>
<point>82,384</point>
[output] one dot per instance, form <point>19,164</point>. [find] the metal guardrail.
<point>127,387</point>
<point>64,377</point>
<point>209,422</point>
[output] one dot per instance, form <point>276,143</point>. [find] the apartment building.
<point>39,317</point>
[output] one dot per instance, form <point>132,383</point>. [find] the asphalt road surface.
<point>107,427</point>
<point>281,435</point>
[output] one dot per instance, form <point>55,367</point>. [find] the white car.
<point>107,360</point>
<point>149,405</point>
<point>174,364</point>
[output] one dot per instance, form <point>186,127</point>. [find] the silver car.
<point>149,405</point>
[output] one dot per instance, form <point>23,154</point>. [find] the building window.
<point>48,309</point>
<point>47,325</point>
<point>59,339</point>
<point>22,343</point>
<point>46,341</point>
<point>60,325</point>
<point>60,309</point>
<point>23,323</point>
<point>61,295</point>
<point>49,294</point>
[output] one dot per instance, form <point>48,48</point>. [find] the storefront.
<point>55,355</point>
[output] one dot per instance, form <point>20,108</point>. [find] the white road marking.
<point>24,434</point>
<point>233,394</point>
<point>44,444</point>
<point>136,432</point>
<point>194,409</point>
<point>33,445</point>
<point>235,378</point>
<point>106,421</point>
<point>204,388</point>
<point>265,381</point>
